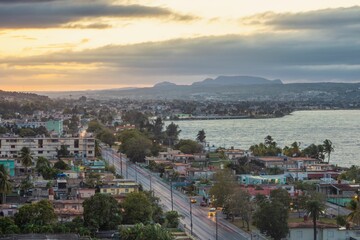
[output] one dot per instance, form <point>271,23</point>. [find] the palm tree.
<point>314,208</point>
<point>328,148</point>
<point>354,216</point>
<point>26,158</point>
<point>42,164</point>
<point>5,184</point>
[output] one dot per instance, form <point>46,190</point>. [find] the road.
<point>204,227</point>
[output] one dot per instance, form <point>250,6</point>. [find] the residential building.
<point>9,165</point>
<point>55,126</point>
<point>120,187</point>
<point>305,231</point>
<point>67,210</point>
<point>10,146</point>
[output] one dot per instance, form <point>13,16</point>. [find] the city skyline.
<point>55,45</point>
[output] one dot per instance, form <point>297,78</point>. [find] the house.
<point>337,189</point>
<point>263,179</point>
<point>96,166</point>
<point>67,210</point>
<point>196,173</point>
<point>83,193</point>
<point>119,187</point>
<point>8,210</point>
<point>181,168</point>
<point>183,158</point>
<point>305,231</point>
<point>233,154</point>
<point>285,162</point>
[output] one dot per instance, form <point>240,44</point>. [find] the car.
<point>212,212</point>
<point>193,200</point>
<point>203,204</point>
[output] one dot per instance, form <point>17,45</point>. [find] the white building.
<point>47,146</point>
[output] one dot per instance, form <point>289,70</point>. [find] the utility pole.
<point>126,165</point>
<point>121,168</point>
<point>191,222</point>
<point>150,182</point>
<point>135,172</point>
<point>171,192</point>
<point>216,225</point>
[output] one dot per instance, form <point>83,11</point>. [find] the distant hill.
<point>235,81</point>
<point>19,96</point>
<point>164,84</point>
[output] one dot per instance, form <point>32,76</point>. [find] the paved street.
<point>204,227</point>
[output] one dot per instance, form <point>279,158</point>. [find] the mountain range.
<point>230,88</point>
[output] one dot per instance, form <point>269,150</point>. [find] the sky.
<point>68,45</point>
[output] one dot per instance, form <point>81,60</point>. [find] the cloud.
<point>320,19</point>
<point>300,56</point>
<point>46,13</point>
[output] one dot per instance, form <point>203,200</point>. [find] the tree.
<point>239,204</point>
<point>172,219</point>
<point>44,168</point>
<point>62,152</point>
<point>5,184</point>
<point>137,208</point>
<point>314,208</point>
<point>42,163</point>
<point>26,184</point>
<point>136,147</point>
<point>145,232</point>
<point>354,215</point>
<point>223,187</point>
<point>282,196</point>
<point>61,165</point>
<point>157,129</point>
<point>271,218</point>
<point>188,146</point>
<point>314,151</point>
<point>27,132</point>
<point>26,158</point>
<point>8,226</point>
<point>328,148</point>
<point>172,133</point>
<point>107,137</point>
<point>201,136</point>
<point>101,212</point>
<point>40,213</point>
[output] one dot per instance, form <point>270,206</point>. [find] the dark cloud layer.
<point>319,54</point>
<point>46,13</point>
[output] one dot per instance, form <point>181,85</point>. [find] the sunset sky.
<point>55,45</point>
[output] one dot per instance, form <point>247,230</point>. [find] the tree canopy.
<point>188,146</point>
<point>137,208</point>
<point>101,212</point>
<point>40,213</point>
<point>223,187</point>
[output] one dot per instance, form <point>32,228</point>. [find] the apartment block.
<point>46,146</point>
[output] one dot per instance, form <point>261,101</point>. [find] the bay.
<point>342,127</point>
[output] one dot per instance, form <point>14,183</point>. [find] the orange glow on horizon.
<point>67,88</point>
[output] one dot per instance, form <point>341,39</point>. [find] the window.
<point>90,152</point>
<point>40,152</point>
<point>330,234</point>
<point>76,143</point>
<point>12,146</point>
